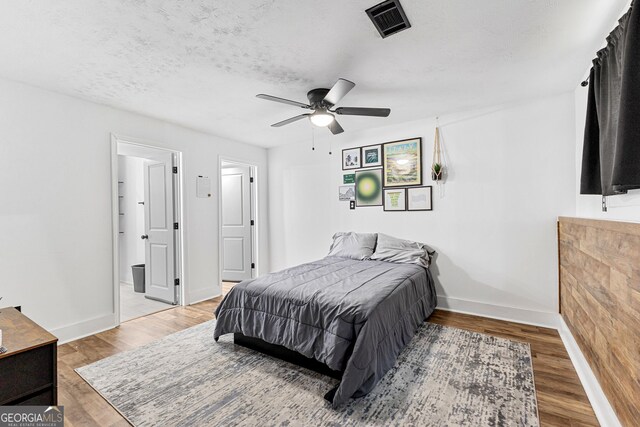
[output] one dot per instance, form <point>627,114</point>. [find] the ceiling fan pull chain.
<point>329,146</point>
<point>313,139</point>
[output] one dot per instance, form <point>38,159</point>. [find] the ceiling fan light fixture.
<point>321,118</point>
<point>321,102</point>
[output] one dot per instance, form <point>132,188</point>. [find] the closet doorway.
<point>238,224</point>
<point>147,259</point>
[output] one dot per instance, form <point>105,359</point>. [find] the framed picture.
<point>402,162</point>
<point>395,199</point>
<point>349,178</point>
<point>369,187</point>
<point>346,193</point>
<point>351,158</point>
<point>419,198</point>
<point>371,156</point>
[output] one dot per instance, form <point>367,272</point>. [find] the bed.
<point>352,316</point>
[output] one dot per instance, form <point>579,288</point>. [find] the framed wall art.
<point>369,187</point>
<point>371,156</point>
<point>349,178</point>
<point>402,162</point>
<point>346,193</point>
<point>394,199</point>
<point>420,198</point>
<point>351,158</point>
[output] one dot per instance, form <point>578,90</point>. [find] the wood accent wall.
<point>600,302</point>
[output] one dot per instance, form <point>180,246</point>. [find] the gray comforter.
<point>354,316</point>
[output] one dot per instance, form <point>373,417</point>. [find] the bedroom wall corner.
<point>512,172</point>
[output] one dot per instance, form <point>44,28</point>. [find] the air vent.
<point>388,17</point>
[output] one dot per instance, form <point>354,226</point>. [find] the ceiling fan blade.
<point>335,127</point>
<point>291,120</point>
<point>282,100</point>
<point>363,111</point>
<point>338,91</point>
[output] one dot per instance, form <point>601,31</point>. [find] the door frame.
<point>178,206</point>
<point>255,253</point>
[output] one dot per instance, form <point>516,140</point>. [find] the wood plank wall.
<point>600,302</point>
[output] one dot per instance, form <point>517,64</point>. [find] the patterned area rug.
<point>445,377</point>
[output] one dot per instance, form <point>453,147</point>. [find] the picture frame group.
<point>387,175</point>
<point>408,199</point>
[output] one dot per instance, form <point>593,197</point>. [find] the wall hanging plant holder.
<point>437,167</point>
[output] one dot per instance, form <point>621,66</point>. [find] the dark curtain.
<point>611,154</point>
<point>590,182</point>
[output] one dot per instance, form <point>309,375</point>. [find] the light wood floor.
<point>561,398</point>
<point>226,287</point>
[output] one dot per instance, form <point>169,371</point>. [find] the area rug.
<point>445,377</point>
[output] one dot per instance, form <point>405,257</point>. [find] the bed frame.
<point>283,353</point>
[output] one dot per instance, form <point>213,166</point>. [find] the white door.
<point>159,230</point>
<point>236,223</point>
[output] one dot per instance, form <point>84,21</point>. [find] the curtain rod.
<point>585,82</point>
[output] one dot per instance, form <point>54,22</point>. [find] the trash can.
<point>138,277</point>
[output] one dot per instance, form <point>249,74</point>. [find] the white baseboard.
<point>85,328</point>
<point>604,412</point>
<point>500,312</point>
<point>99,324</point>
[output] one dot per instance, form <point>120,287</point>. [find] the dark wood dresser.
<point>28,370</point>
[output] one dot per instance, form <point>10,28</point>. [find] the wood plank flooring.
<point>226,287</point>
<point>561,398</point>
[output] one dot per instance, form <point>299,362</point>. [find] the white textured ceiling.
<point>200,63</point>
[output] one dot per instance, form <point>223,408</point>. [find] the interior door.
<point>159,225</point>
<point>236,223</point>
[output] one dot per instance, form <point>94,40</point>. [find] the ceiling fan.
<point>321,101</point>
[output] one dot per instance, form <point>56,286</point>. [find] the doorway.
<point>147,255</point>
<point>238,225</point>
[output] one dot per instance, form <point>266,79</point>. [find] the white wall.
<point>55,209</point>
<point>511,174</point>
<point>623,207</point>
<point>131,190</point>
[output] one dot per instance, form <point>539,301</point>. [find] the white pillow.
<point>391,249</point>
<point>358,246</point>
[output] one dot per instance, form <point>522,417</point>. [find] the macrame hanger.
<point>437,160</point>
<point>438,167</point>
<point>437,143</point>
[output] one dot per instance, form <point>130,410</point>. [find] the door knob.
<point>144,236</point>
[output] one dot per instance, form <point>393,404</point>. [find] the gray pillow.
<point>402,251</point>
<point>358,246</point>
